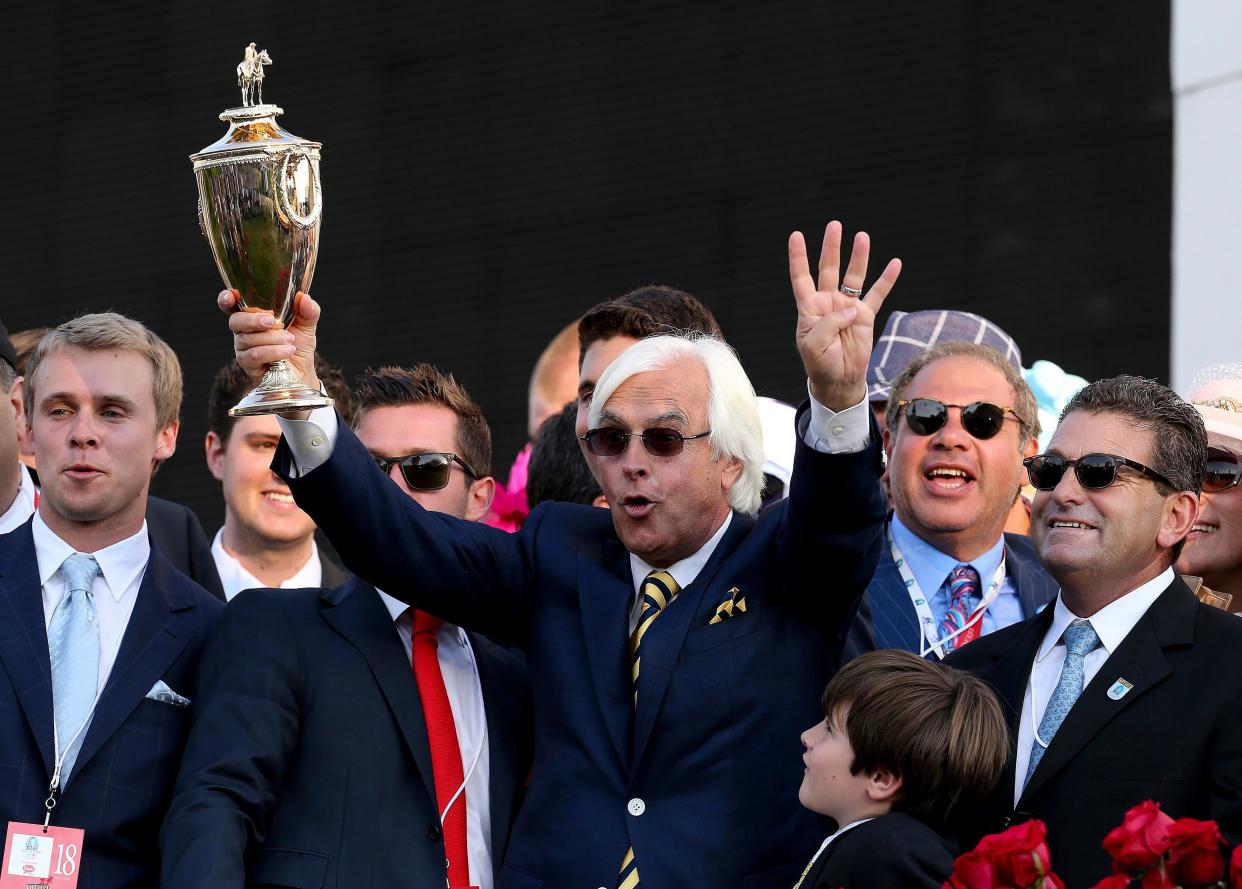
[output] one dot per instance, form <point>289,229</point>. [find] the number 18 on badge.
<point>35,857</point>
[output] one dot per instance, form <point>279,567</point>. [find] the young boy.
<point>904,743</point>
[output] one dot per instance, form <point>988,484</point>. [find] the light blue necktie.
<point>1080,640</point>
<point>73,643</point>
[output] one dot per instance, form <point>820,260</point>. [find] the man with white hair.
<point>678,646</point>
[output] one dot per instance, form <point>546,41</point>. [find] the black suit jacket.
<point>119,788</point>
<point>893,851</point>
<point>887,619</point>
<point>1175,737</point>
<point>308,764</point>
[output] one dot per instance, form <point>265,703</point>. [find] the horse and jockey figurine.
<point>250,75</point>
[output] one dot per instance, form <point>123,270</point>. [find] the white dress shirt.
<point>234,577</point>
<point>684,572</point>
<point>23,505</point>
<point>114,591</point>
<point>1112,624</point>
<point>461,681</point>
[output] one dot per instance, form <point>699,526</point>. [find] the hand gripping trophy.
<point>260,206</point>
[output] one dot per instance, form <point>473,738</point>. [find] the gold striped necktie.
<point>657,591</point>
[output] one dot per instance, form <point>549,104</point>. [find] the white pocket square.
<point>161,692</point>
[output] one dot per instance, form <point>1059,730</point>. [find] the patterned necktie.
<point>657,591</point>
<point>73,644</point>
<point>1080,640</point>
<point>446,766</point>
<point>963,585</point>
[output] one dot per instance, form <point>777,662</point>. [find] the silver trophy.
<point>260,206</point>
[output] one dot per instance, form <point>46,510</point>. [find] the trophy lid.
<point>252,126</point>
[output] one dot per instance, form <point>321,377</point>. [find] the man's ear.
<point>480,498</point>
<point>213,445</point>
<point>887,440</point>
<point>600,501</point>
<point>166,441</point>
<point>1180,512</point>
<point>1031,448</point>
<point>17,399</point>
<point>883,786</point>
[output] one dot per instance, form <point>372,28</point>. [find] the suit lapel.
<point>1140,660</point>
<point>662,641</point>
<point>156,634</point>
<point>606,594</point>
<point>356,611</point>
<point>23,636</point>
<point>501,701</point>
<point>894,622</point>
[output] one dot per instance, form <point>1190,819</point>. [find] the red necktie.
<point>445,751</point>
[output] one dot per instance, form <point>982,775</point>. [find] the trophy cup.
<point>259,206</point>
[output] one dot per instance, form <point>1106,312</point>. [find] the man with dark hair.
<point>557,469</point>
<point>265,541</point>
<point>960,420</point>
<point>311,727</point>
<point>611,327</point>
<point>1115,693</point>
<point>100,638</point>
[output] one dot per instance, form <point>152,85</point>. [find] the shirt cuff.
<point>312,440</point>
<point>833,432</point>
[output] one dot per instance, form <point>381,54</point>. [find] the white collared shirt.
<point>234,577</point>
<point>1112,624</point>
<point>684,571</point>
<point>114,591</point>
<point>23,505</point>
<point>461,681</point>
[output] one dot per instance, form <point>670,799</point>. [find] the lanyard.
<point>53,789</point>
<point>478,753</point>
<point>930,640</point>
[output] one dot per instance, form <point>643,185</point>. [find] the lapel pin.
<point>1119,689</point>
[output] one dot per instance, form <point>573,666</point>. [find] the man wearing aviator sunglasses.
<point>659,632</point>
<point>960,417</point>
<point>1117,686</point>
<point>1214,550</point>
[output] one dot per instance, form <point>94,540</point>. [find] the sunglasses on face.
<point>424,472</point>
<point>1223,471</point>
<point>610,441</point>
<point>1093,471</point>
<point>981,419</point>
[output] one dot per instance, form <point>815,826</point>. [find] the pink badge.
<point>35,857</point>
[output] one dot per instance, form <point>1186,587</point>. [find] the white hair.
<point>732,409</point>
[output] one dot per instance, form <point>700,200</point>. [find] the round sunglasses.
<point>611,441</point>
<point>981,419</point>
<point>1093,471</point>
<point>1223,471</point>
<point>424,472</point>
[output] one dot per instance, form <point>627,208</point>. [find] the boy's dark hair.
<point>231,384</point>
<point>938,728</point>
<point>644,312</point>
<point>424,384</point>
<point>557,469</point>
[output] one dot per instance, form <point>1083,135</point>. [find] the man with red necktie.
<point>343,738</point>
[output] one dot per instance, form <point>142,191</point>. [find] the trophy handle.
<point>288,213</point>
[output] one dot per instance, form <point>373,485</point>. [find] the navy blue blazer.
<point>702,780</point>
<point>893,851</point>
<point>120,785</point>
<point>308,763</point>
<point>887,619</point>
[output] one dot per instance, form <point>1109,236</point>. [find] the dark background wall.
<point>491,171</point>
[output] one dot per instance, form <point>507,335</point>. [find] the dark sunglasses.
<point>1094,471</point>
<point>1223,471</point>
<point>610,441</point>
<point>981,419</point>
<point>424,472</point>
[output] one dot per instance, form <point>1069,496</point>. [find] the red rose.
<point>1194,853</point>
<point>1019,855</point>
<point>1117,881</point>
<point>1156,878</point>
<point>971,871</point>
<point>1141,840</point>
<point>1235,869</point>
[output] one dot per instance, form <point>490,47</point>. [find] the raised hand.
<point>835,324</point>
<point>258,339</point>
